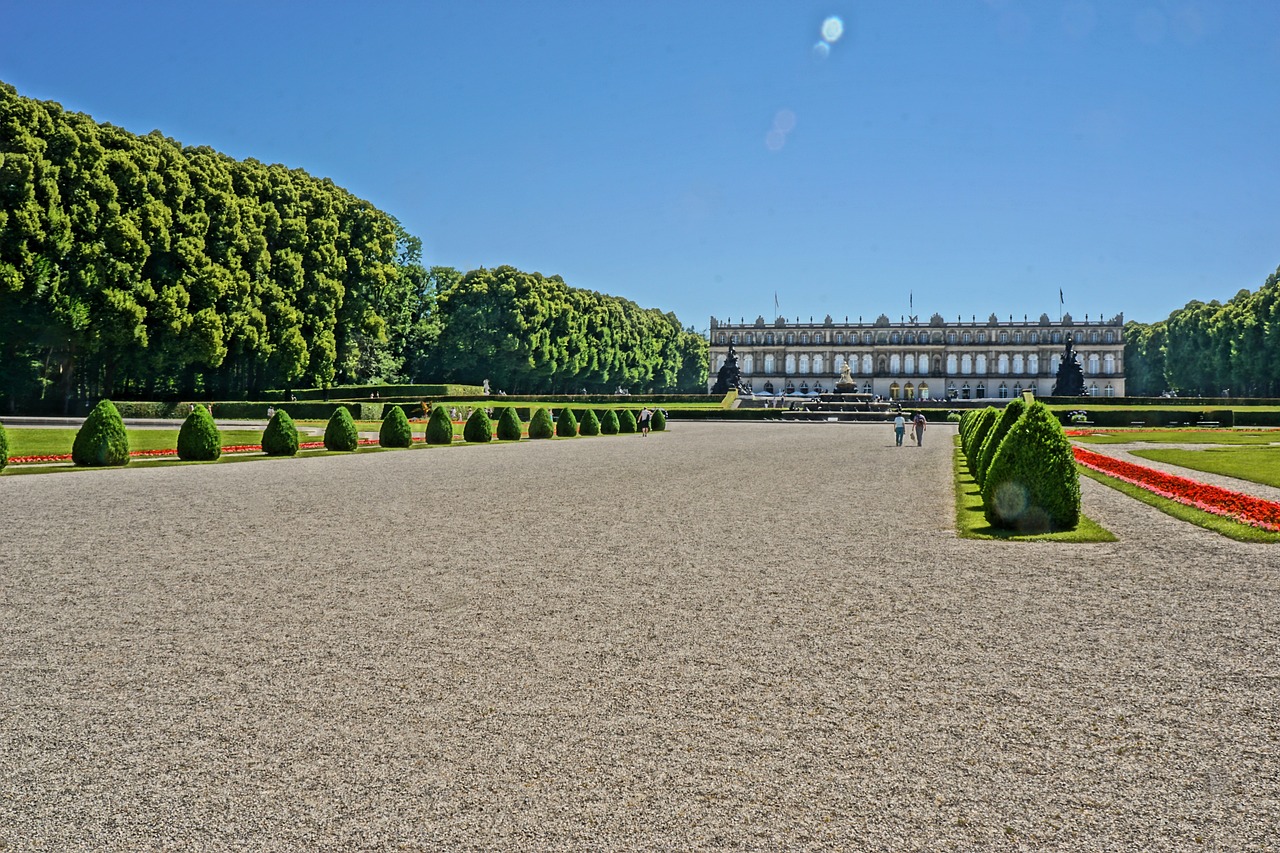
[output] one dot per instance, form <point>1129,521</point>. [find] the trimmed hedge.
<point>478,427</point>
<point>1158,417</point>
<point>1032,485</point>
<point>626,421</point>
<point>1006,419</point>
<point>609,423</point>
<point>4,448</point>
<point>567,424</point>
<point>509,424</point>
<point>102,439</point>
<point>540,425</point>
<point>978,433</point>
<point>355,393</point>
<point>198,438</point>
<point>658,422</point>
<point>590,424</point>
<point>280,438</point>
<point>340,433</point>
<point>439,427</point>
<point>395,430</point>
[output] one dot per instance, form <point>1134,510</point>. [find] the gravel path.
<point>730,636</point>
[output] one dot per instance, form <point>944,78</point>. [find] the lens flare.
<point>832,29</point>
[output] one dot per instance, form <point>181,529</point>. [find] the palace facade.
<point>911,360</point>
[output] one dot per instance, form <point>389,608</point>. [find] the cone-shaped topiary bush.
<point>4,448</point>
<point>609,423</point>
<point>199,439</point>
<point>567,424</point>
<point>340,433</point>
<point>540,425</point>
<point>1032,485</point>
<point>478,427</point>
<point>590,424</point>
<point>981,426</point>
<point>658,422</point>
<point>102,438</point>
<point>439,427</point>
<point>1008,417</point>
<point>509,424</point>
<point>395,430</point>
<point>280,438</point>
<point>626,420</point>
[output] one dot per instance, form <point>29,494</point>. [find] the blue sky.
<point>967,156</point>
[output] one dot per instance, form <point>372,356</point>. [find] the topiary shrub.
<point>1008,417</point>
<point>280,438</point>
<point>439,427</point>
<point>540,425</point>
<point>478,427</point>
<point>395,430</point>
<point>658,422</point>
<point>1032,485</point>
<point>509,424</point>
<point>626,421</point>
<point>567,424</point>
<point>609,423</point>
<point>340,433</point>
<point>4,448</point>
<point>199,439</point>
<point>590,424</point>
<point>102,439</point>
<point>981,426</point>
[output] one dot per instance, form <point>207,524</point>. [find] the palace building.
<point>911,360</point>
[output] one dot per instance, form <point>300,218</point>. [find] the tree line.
<point>1210,349</point>
<point>136,267</point>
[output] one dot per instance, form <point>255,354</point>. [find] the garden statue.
<point>1070,377</point>
<point>729,378</point>
<point>845,384</point>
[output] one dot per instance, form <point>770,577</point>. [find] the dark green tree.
<point>658,422</point>
<point>590,424</point>
<point>609,422</point>
<point>1007,418</point>
<point>1032,485</point>
<point>626,421</point>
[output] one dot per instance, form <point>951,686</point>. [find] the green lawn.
<point>1181,436</point>
<point>972,524</point>
<point>1255,464</point>
<point>55,441</point>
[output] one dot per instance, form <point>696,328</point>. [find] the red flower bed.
<point>135,454</point>
<point>1243,508</point>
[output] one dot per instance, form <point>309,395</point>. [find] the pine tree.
<point>567,424</point>
<point>340,433</point>
<point>439,427</point>
<point>199,439</point>
<point>1032,485</point>
<point>478,427</point>
<point>395,430</point>
<point>590,424</point>
<point>280,438</point>
<point>609,423</point>
<point>540,425</point>
<point>509,424</point>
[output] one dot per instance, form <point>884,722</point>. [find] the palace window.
<point>1093,337</point>
<point>1017,389</point>
<point>768,337</point>
<point>881,364</point>
<point>1004,337</point>
<point>1109,363</point>
<point>768,363</point>
<point>866,337</point>
<point>894,390</point>
<point>1109,337</point>
<point>937,365</point>
<point>1017,337</point>
<point>790,364</point>
<point>748,364</point>
<point>966,364</point>
<point>1003,391</point>
<point>1093,363</point>
<point>951,337</point>
<point>1033,363</point>
<point>895,363</point>
<point>804,363</point>
<point>964,391</point>
<point>722,338</point>
<point>966,338</point>
<point>866,387</point>
<point>951,362</point>
<point>804,338</point>
<point>839,338</point>
<point>980,391</point>
<point>908,392</point>
<point>733,339</point>
<point>1056,338</point>
<point>818,362</point>
<point>980,363</point>
<point>1033,337</point>
<point>866,363</point>
<point>895,338</point>
<point>791,337</point>
<point>817,339</point>
<point>1108,391</point>
<point>982,337</point>
<point>751,339</point>
<point>1017,362</point>
<point>911,338</point>
<point>1002,363</point>
<point>924,390</point>
<point>1093,390</point>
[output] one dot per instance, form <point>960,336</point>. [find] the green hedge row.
<point>1156,417</point>
<point>353,393</point>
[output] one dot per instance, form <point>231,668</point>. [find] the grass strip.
<point>1088,435</point>
<point>1209,521</point>
<point>1255,464</point>
<point>971,523</point>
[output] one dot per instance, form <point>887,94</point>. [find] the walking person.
<point>899,427</point>
<point>645,416</point>
<point>920,424</point>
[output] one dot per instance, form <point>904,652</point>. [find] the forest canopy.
<point>1210,349</point>
<point>135,266</point>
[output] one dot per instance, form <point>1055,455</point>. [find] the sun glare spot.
<point>784,121</point>
<point>775,139</point>
<point>821,50</point>
<point>832,29</point>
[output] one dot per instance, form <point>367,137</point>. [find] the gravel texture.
<point>729,636</point>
